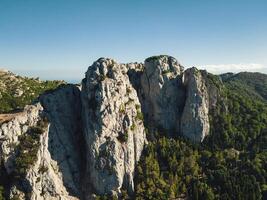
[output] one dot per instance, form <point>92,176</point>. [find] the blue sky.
<point>59,39</point>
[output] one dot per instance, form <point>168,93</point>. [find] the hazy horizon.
<point>60,39</point>
<point>77,76</point>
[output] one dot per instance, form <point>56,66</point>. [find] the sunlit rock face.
<point>113,127</point>
<point>173,101</point>
<point>195,117</point>
<point>94,134</point>
<point>55,173</point>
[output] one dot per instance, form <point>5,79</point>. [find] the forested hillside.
<point>231,163</point>
<point>249,83</point>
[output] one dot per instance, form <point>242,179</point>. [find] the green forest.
<point>231,162</point>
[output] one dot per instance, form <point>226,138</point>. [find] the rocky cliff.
<point>51,163</point>
<point>162,93</point>
<point>87,140</point>
<point>113,127</point>
<point>174,101</point>
<point>195,116</point>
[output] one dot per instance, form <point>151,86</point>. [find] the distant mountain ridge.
<point>254,83</point>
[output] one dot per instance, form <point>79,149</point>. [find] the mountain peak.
<point>76,142</point>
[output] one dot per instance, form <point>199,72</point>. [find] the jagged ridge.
<point>99,129</point>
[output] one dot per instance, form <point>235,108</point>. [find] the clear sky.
<point>59,39</point>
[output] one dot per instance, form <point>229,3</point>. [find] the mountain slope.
<point>252,84</point>
<point>17,91</point>
<point>147,130</point>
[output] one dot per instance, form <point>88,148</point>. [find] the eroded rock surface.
<point>95,135</point>
<point>162,93</point>
<point>195,117</point>
<point>55,173</point>
<point>12,129</point>
<point>114,130</point>
<point>65,143</point>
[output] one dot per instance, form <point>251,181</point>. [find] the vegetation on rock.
<point>26,155</point>
<point>1,193</point>
<point>154,58</point>
<point>123,137</point>
<point>17,91</point>
<point>231,163</point>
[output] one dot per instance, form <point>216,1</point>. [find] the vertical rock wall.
<point>162,93</point>
<point>65,143</point>
<point>113,127</point>
<point>195,117</point>
<point>55,173</point>
<point>95,137</point>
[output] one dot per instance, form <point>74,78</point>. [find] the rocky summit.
<point>78,142</point>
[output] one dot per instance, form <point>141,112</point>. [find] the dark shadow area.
<point>5,180</point>
<point>66,144</point>
<point>152,126</point>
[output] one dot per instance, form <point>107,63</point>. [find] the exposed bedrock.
<point>174,101</point>
<point>113,127</point>
<point>162,93</point>
<point>95,135</point>
<point>55,171</point>
<point>195,117</point>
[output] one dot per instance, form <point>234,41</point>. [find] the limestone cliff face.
<point>94,135</point>
<point>195,119</point>
<point>65,139</point>
<point>113,127</point>
<point>55,173</point>
<point>173,101</point>
<point>11,130</point>
<point>162,93</point>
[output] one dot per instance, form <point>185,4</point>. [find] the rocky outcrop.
<point>55,171</point>
<point>195,119</point>
<point>95,135</point>
<point>162,93</point>
<point>11,130</point>
<point>113,127</point>
<point>65,141</point>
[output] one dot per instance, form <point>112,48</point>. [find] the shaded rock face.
<point>162,93</point>
<point>65,143</point>
<point>195,119</point>
<point>55,173</point>
<point>113,127</point>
